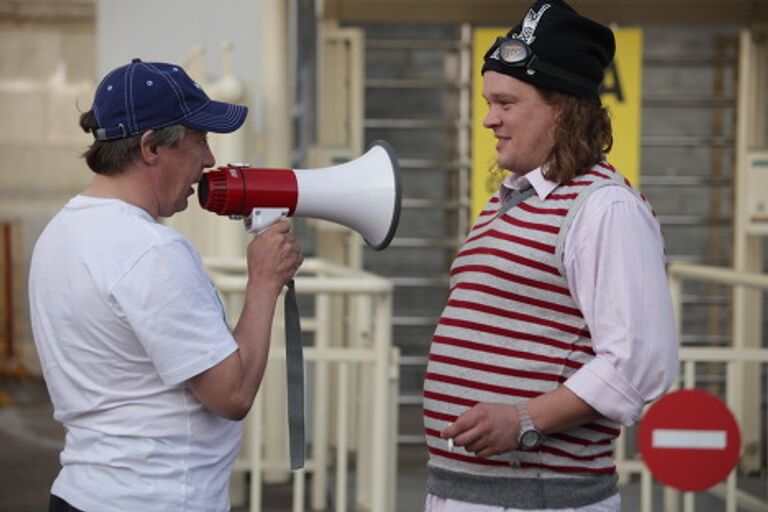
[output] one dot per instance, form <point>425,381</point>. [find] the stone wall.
<point>47,71</point>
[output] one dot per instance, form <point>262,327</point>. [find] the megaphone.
<point>363,194</point>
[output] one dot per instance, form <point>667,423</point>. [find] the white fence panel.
<point>362,392</point>
<point>735,360</point>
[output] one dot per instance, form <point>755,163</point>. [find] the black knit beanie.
<point>570,51</point>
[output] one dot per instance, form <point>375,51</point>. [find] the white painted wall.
<point>46,79</point>
<point>169,31</point>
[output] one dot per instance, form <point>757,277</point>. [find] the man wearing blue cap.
<point>559,326</point>
<point>141,367</point>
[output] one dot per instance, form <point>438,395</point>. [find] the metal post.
<point>256,437</point>
<point>394,408</point>
<point>381,386</point>
<point>733,392</point>
<point>748,253</point>
<point>363,326</point>
<point>342,398</point>
<point>321,406</point>
<point>646,490</point>
<point>299,484</point>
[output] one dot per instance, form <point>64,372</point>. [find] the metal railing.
<point>735,359</point>
<point>351,380</point>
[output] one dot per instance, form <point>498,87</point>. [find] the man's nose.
<point>209,160</point>
<point>491,119</point>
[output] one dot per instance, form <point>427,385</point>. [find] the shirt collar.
<point>540,184</point>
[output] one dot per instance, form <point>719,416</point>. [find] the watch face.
<point>530,439</point>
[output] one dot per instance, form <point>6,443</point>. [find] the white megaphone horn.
<point>363,194</point>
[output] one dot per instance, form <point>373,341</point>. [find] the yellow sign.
<point>620,94</point>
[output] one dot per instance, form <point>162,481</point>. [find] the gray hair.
<point>111,157</point>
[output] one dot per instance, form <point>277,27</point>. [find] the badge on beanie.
<point>565,52</point>
<point>530,23</point>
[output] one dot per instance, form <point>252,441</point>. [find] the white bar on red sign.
<point>691,439</point>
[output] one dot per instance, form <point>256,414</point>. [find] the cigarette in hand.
<point>450,445</point>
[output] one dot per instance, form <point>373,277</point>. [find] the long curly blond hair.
<point>582,135</point>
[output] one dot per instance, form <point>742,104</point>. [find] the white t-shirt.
<point>123,314</point>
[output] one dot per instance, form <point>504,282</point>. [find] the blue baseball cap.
<point>144,96</point>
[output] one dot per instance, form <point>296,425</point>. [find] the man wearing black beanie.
<point>559,326</point>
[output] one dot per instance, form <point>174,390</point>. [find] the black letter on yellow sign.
<point>615,88</point>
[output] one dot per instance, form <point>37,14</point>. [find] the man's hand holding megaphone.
<point>274,256</point>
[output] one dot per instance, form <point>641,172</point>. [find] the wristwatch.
<point>530,437</point>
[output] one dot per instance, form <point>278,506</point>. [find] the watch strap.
<point>526,423</point>
<point>527,427</point>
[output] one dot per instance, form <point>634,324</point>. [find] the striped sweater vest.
<point>511,331</point>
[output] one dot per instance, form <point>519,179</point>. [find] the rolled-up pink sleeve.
<point>614,261</point>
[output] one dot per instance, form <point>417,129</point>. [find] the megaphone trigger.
<point>261,218</point>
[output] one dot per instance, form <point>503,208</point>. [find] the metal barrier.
<point>352,385</point>
<point>734,359</point>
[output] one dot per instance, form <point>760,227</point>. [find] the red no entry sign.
<point>689,440</point>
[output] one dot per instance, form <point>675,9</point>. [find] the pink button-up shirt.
<point>614,260</point>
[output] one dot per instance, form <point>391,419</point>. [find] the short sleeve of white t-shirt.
<point>174,311</point>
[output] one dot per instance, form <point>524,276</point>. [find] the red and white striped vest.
<point>511,331</point>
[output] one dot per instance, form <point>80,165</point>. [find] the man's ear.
<point>149,152</point>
